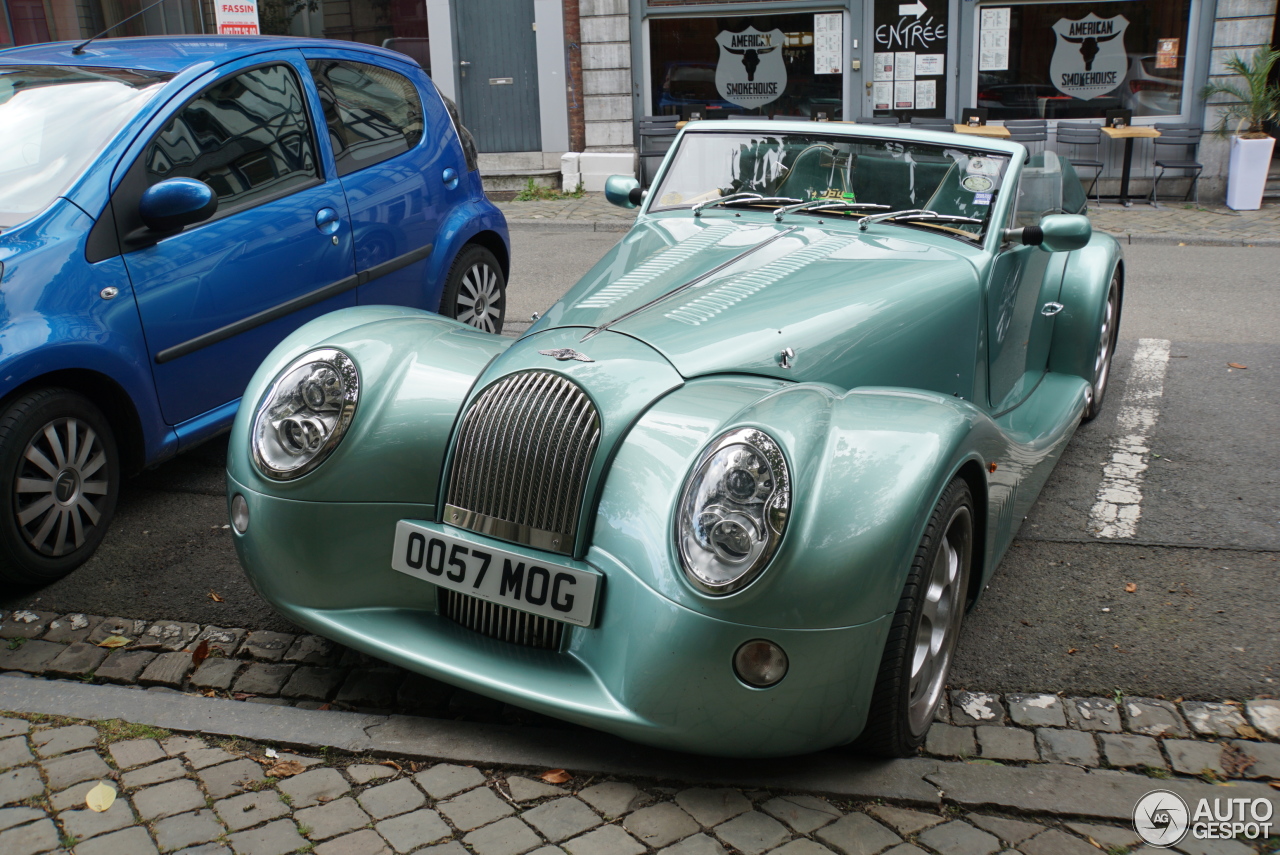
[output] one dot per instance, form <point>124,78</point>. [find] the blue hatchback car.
<point>170,209</point>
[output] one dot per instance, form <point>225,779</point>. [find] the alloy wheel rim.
<point>938,626</point>
<point>480,298</point>
<point>62,486</point>
<point>1102,365</point>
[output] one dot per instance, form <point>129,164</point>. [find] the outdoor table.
<point>983,130</point>
<point>1128,134</point>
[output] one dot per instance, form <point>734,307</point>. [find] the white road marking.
<point>1119,502</point>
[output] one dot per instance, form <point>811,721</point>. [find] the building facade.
<point>538,79</point>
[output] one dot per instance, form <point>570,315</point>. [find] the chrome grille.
<point>521,461</point>
<point>501,622</point>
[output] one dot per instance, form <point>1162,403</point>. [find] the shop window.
<point>772,65</point>
<point>246,137</point>
<point>1079,60</point>
<point>373,114</point>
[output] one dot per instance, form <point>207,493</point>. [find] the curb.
<point>1128,238</point>
<point>1055,790</point>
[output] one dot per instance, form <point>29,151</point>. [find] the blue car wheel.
<point>476,291</point>
<point>61,477</point>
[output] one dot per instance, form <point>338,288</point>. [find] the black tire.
<point>1109,333</point>
<point>902,707</point>
<point>59,480</point>
<point>476,291</point>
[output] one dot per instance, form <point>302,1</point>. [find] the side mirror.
<point>1056,233</point>
<point>176,203</point>
<point>623,191</point>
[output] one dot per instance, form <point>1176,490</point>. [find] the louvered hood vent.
<point>521,461</point>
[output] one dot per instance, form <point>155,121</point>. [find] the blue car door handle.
<point>327,220</point>
<point>450,178</point>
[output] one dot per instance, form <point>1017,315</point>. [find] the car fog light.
<point>760,663</point>
<point>240,513</point>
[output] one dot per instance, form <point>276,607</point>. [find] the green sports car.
<point>734,492</point>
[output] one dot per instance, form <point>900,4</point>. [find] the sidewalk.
<point>1171,223</point>
<point>1038,774</point>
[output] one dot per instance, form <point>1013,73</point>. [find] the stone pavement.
<point>1029,773</point>
<point>1172,222</point>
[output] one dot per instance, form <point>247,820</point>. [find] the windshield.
<point>953,182</point>
<point>53,121</point>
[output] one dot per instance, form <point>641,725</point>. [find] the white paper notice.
<point>904,95</point>
<point>882,66</point>
<point>904,66</point>
<point>929,63</point>
<point>995,19</point>
<point>882,95</point>
<point>926,94</point>
<point>828,43</point>
<point>993,40</point>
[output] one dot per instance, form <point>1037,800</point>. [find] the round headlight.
<point>303,416</point>
<point>733,511</point>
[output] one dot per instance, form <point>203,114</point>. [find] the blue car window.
<point>373,113</point>
<point>247,137</point>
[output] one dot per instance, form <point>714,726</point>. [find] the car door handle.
<point>1051,309</point>
<point>327,221</point>
<point>450,177</point>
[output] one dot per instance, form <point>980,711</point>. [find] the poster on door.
<point>751,71</point>
<point>1089,58</point>
<point>236,19</point>
<point>912,38</point>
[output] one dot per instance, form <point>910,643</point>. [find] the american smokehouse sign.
<point>751,71</point>
<point>1089,58</point>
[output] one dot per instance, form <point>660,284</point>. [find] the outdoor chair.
<point>1027,130</point>
<point>933,124</point>
<point>655,136</point>
<point>1083,135</point>
<point>1185,141</point>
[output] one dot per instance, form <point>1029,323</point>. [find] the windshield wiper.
<point>916,214</point>
<point>740,199</point>
<point>828,205</point>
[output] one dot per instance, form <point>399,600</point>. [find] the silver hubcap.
<point>61,487</point>
<point>479,298</point>
<point>939,622</point>
<point>1102,365</point>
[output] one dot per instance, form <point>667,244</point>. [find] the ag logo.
<point>1089,59</point>
<point>751,71</point>
<point>1161,818</point>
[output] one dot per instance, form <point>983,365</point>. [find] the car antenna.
<point>79,49</point>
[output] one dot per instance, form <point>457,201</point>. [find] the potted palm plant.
<point>1255,101</point>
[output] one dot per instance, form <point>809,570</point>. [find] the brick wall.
<point>1242,26</point>
<point>606,75</point>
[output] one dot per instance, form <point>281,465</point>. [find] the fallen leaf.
<point>1096,844</point>
<point>391,764</point>
<point>201,653</point>
<point>555,776</point>
<point>1130,587</point>
<point>1024,622</point>
<point>1275,785</point>
<point>1244,731</point>
<point>243,696</point>
<point>323,707</point>
<point>100,797</point>
<point>286,769</point>
<point>114,641</point>
<point>1236,365</point>
<point>1072,650</point>
<point>1235,762</point>
<point>415,766</point>
<point>213,595</point>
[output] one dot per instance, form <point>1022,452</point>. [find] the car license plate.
<point>539,587</point>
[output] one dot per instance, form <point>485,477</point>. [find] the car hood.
<point>725,294</point>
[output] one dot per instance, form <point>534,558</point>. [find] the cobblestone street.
<point>1039,774</point>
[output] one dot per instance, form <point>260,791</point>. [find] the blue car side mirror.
<point>176,203</point>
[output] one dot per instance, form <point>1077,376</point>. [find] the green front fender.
<point>416,368</point>
<point>1085,283</point>
<point>867,467</point>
